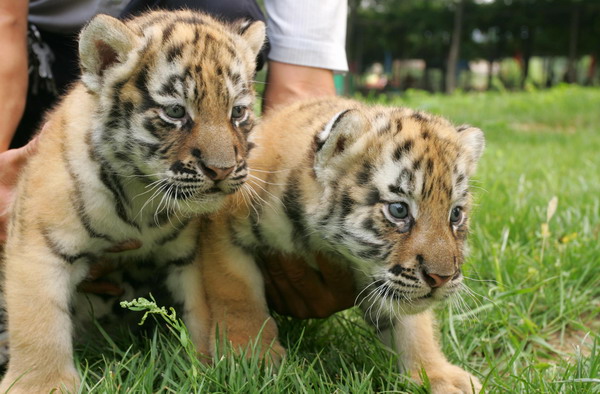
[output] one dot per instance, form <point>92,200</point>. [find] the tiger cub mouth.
<point>411,293</point>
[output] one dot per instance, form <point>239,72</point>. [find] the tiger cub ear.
<point>473,142</point>
<point>338,135</point>
<point>103,42</point>
<point>254,32</point>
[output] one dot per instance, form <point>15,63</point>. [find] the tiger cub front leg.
<point>414,339</point>
<point>38,288</point>
<point>235,294</point>
<point>187,287</point>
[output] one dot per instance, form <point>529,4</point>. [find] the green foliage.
<point>528,324</point>
<point>492,29</point>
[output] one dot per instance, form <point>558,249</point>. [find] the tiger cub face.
<point>175,101</point>
<point>403,201</point>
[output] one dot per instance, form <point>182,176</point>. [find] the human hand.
<point>295,289</point>
<point>94,284</point>
<point>11,163</point>
<point>287,83</point>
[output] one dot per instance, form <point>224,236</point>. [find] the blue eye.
<point>456,215</point>
<point>175,111</point>
<point>398,210</point>
<point>238,112</point>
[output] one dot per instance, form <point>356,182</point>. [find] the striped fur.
<point>156,131</point>
<point>327,176</point>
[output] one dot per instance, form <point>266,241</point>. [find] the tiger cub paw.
<point>266,347</point>
<point>21,383</point>
<point>272,353</point>
<point>450,379</point>
<point>269,351</point>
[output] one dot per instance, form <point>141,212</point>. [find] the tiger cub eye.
<point>399,210</point>
<point>175,111</point>
<point>238,112</point>
<point>456,215</point>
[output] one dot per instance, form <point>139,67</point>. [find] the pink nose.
<point>216,173</point>
<point>434,280</point>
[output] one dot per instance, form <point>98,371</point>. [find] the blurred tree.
<point>484,29</point>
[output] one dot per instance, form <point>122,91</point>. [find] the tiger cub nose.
<point>434,280</point>
<point>216,173</point>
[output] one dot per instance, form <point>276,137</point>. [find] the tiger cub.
<point>382,190</point>
<point>155,132</point>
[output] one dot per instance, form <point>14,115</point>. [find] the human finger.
<point>100,269</point>
<point>294,302</point>
<point>339,279</point>
<point>274,299</point>
<point>100,287</point>
<point>318,297</point>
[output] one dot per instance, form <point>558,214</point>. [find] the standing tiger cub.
<point>382,190</point>
<point>155,132</point>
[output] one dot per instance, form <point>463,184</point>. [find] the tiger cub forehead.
<point>190,56</point>
<point>410,154</point>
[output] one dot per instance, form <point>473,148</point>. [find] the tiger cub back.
<point>382,190</point>
<point>155,133</point>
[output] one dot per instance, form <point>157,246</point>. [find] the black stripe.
<point>429,166</point>
<point>417,163</point>
<point>173,235</point>
<point>369,225</point>
<point>236,239</point>
<point>364,175</point>
<point>330,210</point>
<point>409,285</point>
<point>167,32</point>
<point>190,20</point>
<point>370,253</point>
<point>373,197</point>
<point>141,80</point>
<point>168,88</point>
<point>294,210</point>
<point>346,204</point>
<point>398,125</point>
<point>78,201</point>
<point>319,144</point>
<point>256,228</point>
<point>186,260</point>
<point>361,241</point>
<point>243,26</point>
<point>409,177</point>
<point>114,186</point>
<point>403,149</point>
<point>63,255</point>
<point>409,277</point>
<point>419,117</point>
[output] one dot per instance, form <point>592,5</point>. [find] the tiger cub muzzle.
<point>419,282</point>
<point>195,177</point>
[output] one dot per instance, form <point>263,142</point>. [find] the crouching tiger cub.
<point>155,132</point>
<point>383,190</point>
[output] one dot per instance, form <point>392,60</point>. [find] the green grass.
<point>532,323</point>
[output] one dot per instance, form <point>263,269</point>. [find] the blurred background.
<point>471,45</point>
